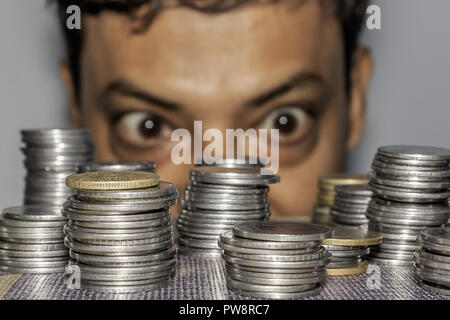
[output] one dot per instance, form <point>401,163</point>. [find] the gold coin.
<point>108,180</point>
<point>351,237</point>
<point>342,179</point>
<point>361,268</point>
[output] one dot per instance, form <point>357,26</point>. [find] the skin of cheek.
<point>296,194</point>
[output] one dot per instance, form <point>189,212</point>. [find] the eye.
<point>292,122</point>
<point>142,127</point>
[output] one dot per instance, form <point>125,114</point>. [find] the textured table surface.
<point>198,279</point>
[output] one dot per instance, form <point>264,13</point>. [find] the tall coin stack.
<point>51,156</point>
<point>117,165</point>
<point>327,192</point>
<point>350,205</point>
<point>349,247</point>
<point>277,260</point>
<point>432,261</point>
<point>216,199</point>
<point>32,240</point>
<point>119,231</point>
<point>411,187</point>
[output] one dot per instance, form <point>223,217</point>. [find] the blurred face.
<point>277,66</point>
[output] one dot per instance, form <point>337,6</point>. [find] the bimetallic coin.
<point>110,180</point>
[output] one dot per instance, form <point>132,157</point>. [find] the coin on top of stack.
<point>32,240</point>
<point>277,260</point>
<point>432,261</point>
<point>120,230</point>
<point>411,190</point>
<point>349,247</point>
<point>350,205</point>
<point>217,198</point>
<point>327,192</point>
<point>51,155</point>
<point>117,165</point>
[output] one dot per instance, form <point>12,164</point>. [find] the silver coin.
<point>408,184</point>
<point>394,255</point>
<point>224,196</point>
<point>34,213</point>
<point>190,224</point>
<point>277,295</point>
<point>412,162</point>
<point>32,264</point>
<point>136,225</point>
<point>349,253</point>
<point>268,288</point>
<point>223,201</point>
<point>344,264</point>
<point>234,181</point>
<point>198,244</point>
<point>389,262</point>
<point>225,222</point>
<point>233,172</point>
<point>382,165</point>
<point>415,153</point>
<point>278,265</point>
<point>276,282</point>
<point>419,259</point>
<point>333,248</point>
<point>396,229</point>
<point>429,270</point>
<point>120,231</point>
<point>266,251</point>
<point>433,257</point>
<point>213,253</point>
<point>117,166</point>
<point>223,206</point>
<point>397,247</point>
<point>43,270</point>
<point>82,235</point>
<point>124,271</point>
<point>125,283</point>
<point>404,196</point>
<point>434,288</point>
<point>31,224</point>
<point>228,238</point>
<point>33,254</point>
<point>403,221</point>
<point>101,216</point>
<point>195,235</point>
<point>306,270</point>
<point>354,190</point>
<point>433,247</point>
<point>204,231</point>
<point>437,235</point>
<point>118,250</point>
<point>310,273</point>
<point>282,231</point>
<point>122,207</point>
<point>32,247</point>
<point>123,243</point>
<point>226,189</point>
<point>409,215</point>
<point>127,277</point>
<point>279,258</point>
<point>124,289</point>
<point>220,215</point>
<point>31,237</point>
<point>129,261</point>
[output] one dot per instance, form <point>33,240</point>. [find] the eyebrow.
<point>298,80</point>
<point>126,88</point>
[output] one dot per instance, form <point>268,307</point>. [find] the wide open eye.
<point>291,121</point>
<point>142,128</point>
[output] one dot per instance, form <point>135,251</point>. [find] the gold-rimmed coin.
<point>109,180</point>
<point>351,237</point>
<point>361,268</point>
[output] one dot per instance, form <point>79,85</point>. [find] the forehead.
<point>252,42</point>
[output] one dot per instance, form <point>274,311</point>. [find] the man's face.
<point>252,67</point>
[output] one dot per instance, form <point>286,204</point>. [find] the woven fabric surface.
<point>204,279</point>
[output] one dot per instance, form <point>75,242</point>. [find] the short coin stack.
<point>51,156</point>
<point>327,192</point>
<point>119,231</point>
<point>278,260</point>
<point>217,198</point>
<point>411,190</point>
<point>32,240</point>
<point>118,165</point>
<point>348,247</point>
<point>350,205</point>
<point>432,261</point>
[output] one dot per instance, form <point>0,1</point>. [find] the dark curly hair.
<point>349,12</point>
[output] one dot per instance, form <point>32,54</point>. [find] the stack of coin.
<point>51,156</point>
<point>31,240</point>
<point>348,247</point>
<point>143,166</point>
<point>119,231</point>
<point>432,261</point>
<point>278,260</point>
<point>411,188</point>
<point>217,198</point>
<point>327,192</point>
<point>350,205</point>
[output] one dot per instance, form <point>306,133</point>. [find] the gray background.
<point>408,101</point>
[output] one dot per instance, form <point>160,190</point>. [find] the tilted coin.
<point>282,231</point>
<point>111,180</point>
<point>437,235</point>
